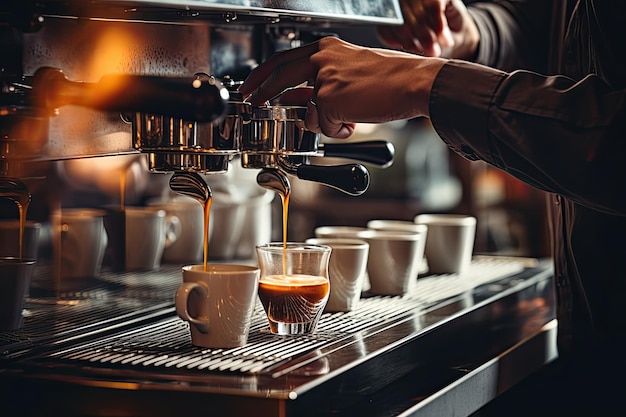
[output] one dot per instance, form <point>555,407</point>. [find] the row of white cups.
<point>384,258</point>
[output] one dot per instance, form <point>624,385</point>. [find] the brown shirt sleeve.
<point>554,133</point>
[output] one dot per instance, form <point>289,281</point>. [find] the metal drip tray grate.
<point>55,315</point>
<point>166,345</point>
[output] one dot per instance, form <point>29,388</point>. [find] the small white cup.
<point>189,245</point>
<point>257,225</point>
<point>349,232</point>
<point>218,303</point>
<point>15,274</point>
<point>346,270</point>
<point>83,242</point>
<point>227,220</point>
<point>10,239</point>
<point>402,225</point>
<point>450,242</point>
<point>394,260</point>
<point>148,231</point>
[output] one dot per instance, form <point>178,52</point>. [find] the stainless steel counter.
<point>114,346</point>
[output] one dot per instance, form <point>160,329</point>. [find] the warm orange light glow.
<point>112,48</point>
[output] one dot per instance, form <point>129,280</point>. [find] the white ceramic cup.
<point>218,303</point>
<point>148,231</point>
<point>343,232</point>
<point>227,220</point>
<point>346,269</point>
<point>83,242</point>
<point>188,246</point>
<point>257,225</point>
<point>15,278</point>
<point>402,225</point>
<point>394,260</point>
<point>450,242</point>
<point>10,239</point>
<point>349,232</point>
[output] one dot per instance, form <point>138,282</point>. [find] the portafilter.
<point>178,144</point>
<point>165,113</point>
<point>276,138</point>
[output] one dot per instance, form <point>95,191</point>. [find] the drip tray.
<point>446,324</point>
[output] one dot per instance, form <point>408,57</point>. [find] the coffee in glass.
<point>294,285</point>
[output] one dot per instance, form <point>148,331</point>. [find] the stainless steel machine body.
<point>114,346</point>
<point>167,47</point>
<point>447,347</point>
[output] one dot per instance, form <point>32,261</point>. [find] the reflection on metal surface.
<point>486,311</point>
<point>230,11</point>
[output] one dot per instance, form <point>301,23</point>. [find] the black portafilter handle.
<point>377,152</point>
<point>352,179</point>
<point>199,98</point>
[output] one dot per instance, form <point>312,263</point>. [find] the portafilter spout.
<point>191,184</point>
<point>273,179</point>
<point>15,189</point>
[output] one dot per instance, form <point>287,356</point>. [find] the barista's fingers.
<point>312,119</point>
<point>319,120</point>
<point>332,130</point>
<point>338,130</point>
<point>396,38</point>
<point>281,71</point>
<point>282,78</point>
<point>425,27</point>
<point>298,96</point>
<point>333,127</point>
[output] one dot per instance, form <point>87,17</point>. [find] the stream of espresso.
<point>122,190</point>
<point>284,197</point>
<point>207,217</point>
<point>16,191</point>
<point>192,185</point>
<point>291,298</point>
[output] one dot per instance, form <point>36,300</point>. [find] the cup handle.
<point>63,232</point>
<point>173,229</point>
<point>182,300</point>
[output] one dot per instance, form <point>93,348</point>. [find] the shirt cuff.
<point>460,101</point>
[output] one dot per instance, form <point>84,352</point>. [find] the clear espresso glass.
<point>294,285</point>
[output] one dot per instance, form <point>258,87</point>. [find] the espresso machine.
<point>158,79</point>
<point>185,116</point>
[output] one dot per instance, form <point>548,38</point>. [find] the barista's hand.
<point>352,84</point>
<point>434,28</point>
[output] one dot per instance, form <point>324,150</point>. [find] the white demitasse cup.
<point>450,242</point>
<point>346,269</point>
<point>349,232</point>
<point>257,226</point>
<point>148,231</point>
<point>15,277</point>
<point>188,246</point>
<point>402,225</point>
<point>10,239</point>
<point>83,242</point>
<point>343,232</point>
<point>394,260</point>
<point>218,303</point>
<point>227,221</point>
